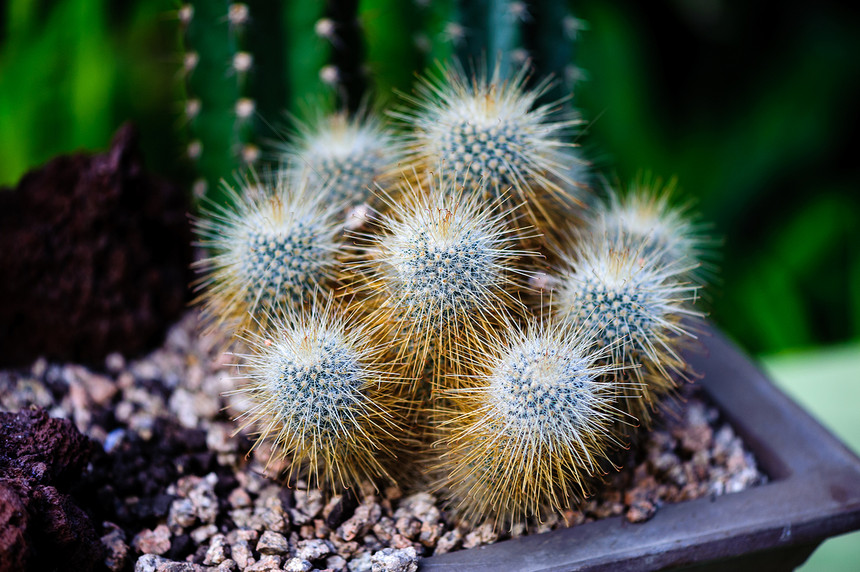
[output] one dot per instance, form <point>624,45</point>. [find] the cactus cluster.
<point>436,287</point>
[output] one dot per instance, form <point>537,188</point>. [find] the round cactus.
<point>533,424</point>
<point>320,389</point>
<point>634,306</point>
<point>492,127</point>
<point>441,268</point>
<point>645,215</point>
<point>271,248</point>
<point>347,156</point>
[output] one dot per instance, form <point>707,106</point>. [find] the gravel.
<point>174,487</point>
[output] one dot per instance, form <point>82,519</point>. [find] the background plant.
<point>763,146</point>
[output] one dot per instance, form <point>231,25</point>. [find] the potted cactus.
<point>486,315</point>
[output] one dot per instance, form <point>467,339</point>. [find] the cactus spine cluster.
<point>491,125</point>
<point>469,301</point>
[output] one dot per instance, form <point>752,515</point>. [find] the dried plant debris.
<point>169,487</point>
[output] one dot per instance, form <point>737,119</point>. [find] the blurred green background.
<point>753,108</point>
<point>753,105</point>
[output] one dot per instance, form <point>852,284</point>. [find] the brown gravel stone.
<point>366,515</point>
<point>272,543</point>
<point>269,563</point>
<point>153,541</point>
<point>116,549</point>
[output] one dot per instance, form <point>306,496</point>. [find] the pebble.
<point>298,565</point>
<point>239,498</point>
<point>217,552</point>
<point>336,562</point>
<point>361,563</point>
<point>421,506</point>
<point>365,516</point>
<point>153,541</point>
<point>309,502</point>
<point>149,563</point>
<point>449,541</point>
<point>267,563</point>
<point>395,560</point>
<point>272,543</point>
<point>314,549</point>
<point>241,553</point>
<point>182,514</point>
<point>116,549</point>
<point>201,534</point>
<point>484,534</point>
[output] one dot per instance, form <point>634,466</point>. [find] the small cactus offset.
<point>449,288</point>
<point>634,307</point>
<point>492,126</point>
<point>645,215</point>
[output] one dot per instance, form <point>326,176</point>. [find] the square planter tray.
<point>813,493</point>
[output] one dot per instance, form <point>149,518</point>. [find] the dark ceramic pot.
<point>813,493</point>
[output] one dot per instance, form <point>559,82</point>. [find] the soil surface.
<point>94,255</point>
<point>169,485</point>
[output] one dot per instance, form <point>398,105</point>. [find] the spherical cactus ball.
<point>272,247</point>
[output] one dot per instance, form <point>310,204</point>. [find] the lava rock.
<point>41,527</point>
<point>94,256</point>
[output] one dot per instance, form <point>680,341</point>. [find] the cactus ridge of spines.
<point>321,388</point>
<point>272,246</point>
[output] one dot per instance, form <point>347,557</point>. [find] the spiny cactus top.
<point>276,245</point>
<point>443,262</point>
<point>492,127</point>
<point>344,155</point>
<point>536,423</point>
<point>321,391</point>
<point>645,216</point>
